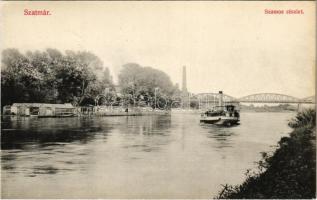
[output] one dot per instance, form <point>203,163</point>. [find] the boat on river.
<point>221,115</point>
<point>226,115</point>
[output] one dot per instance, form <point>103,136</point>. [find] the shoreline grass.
<point>289,173</point>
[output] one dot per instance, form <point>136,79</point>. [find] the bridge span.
<point>274,98</point>
<point>210,99</point>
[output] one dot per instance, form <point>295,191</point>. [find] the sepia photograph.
<point>158,99</point>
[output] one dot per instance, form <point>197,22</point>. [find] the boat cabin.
<point>227,110</point>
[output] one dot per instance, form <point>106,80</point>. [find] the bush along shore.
<point>289,173</point>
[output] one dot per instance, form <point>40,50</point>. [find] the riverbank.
<point>42,110</point>
<point>290,172</point>
<point>272,108</point>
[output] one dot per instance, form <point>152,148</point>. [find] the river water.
<point>132,157</point>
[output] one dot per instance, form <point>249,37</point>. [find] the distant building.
<point>40,109</point>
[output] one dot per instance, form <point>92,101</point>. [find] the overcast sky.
<point>229,46</point>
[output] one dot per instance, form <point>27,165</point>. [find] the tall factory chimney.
<point>220,98</point>
<point>185,94</point>
<point>184,85</point>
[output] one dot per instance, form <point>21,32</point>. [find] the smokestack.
<point>184,85</point>
<point>220,98</point>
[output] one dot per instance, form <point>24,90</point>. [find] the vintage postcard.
<point>158,99</point>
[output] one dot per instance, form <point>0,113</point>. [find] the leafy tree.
<point>143,83</point>
<point>50,76</point>
<point>19,79</point>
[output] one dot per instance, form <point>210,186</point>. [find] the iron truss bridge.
<point>253,98</point>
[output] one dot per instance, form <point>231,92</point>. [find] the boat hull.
<point>225,121</point>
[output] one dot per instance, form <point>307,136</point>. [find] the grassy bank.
<point>290,172</point>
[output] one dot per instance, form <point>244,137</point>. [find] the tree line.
<point>78,77</point>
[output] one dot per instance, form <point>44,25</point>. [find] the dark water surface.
<point>131,157</point>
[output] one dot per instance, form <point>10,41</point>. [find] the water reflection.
<point>42,140</point>
<point>129,157</point>
<point>152,131</point>
<point>147,125</point>
<point>20,132</point>
<point>223,137</point>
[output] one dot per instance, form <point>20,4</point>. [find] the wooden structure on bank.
<point>40,110</point>
<point>68,110</point>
